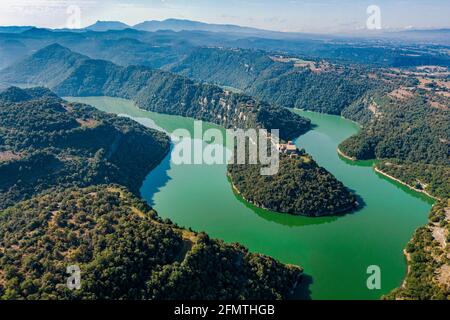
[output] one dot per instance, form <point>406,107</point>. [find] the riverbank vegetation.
<point>411,130</point>
<point>428,252</point>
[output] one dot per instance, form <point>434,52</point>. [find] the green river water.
<point>334,251</point>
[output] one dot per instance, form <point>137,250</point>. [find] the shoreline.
<point>404,183</point>
<point>390,177</point>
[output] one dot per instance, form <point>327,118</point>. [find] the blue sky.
<point>285,15</point>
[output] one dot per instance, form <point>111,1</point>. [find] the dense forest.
<point>165,92</point>
<point>124,251</point>
<point>300,187</point>
<point>288,82</point>
<point>49,148</point>
<point>47,142</point>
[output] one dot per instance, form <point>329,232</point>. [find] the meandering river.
<point>334,251</point>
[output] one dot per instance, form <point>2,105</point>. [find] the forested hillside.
<point>47,142</point>
<point>10,51</point>
<point>281,80</point>
<point>164,48</point>
<point>431,178</point>
<point>165,92</point>
<point>124,251</point>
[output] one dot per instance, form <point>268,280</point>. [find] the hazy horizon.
<point>323,16</point>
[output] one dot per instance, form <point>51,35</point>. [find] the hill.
<point>47,67</point>
<point>177,45</point>
<point>14,29</point>
<point>414,128</point>
<point>11,51</point>
<point>165,92</point>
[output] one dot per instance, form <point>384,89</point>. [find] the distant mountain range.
<point>126,45</point>
<point>71,74</point>
<point>181,25</point>
<point>155,25</point>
